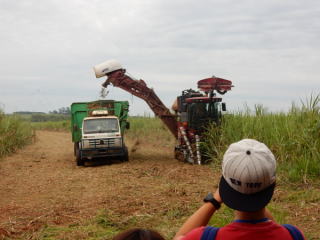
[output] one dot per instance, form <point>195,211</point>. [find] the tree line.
<point>60,114</point>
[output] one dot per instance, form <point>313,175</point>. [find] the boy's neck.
<point>251,215</point>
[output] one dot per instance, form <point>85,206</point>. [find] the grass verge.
<point>14,134</point>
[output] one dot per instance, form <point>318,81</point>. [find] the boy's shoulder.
<point>264,231</point>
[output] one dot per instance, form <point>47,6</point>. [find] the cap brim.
<point>244,202</point>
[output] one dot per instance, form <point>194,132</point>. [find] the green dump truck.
<point>97,130</point>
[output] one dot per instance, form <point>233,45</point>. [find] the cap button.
<point>248,152</point>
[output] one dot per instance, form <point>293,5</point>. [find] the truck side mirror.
<point>128,125</point>
<point>75,127</point>
<point>224,107</point>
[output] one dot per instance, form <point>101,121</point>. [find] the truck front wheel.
<point>125,157</point>
<point>79,160</point>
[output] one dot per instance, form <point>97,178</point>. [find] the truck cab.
<point>98,133</point>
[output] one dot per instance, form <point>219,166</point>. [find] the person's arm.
<point>200,218</point>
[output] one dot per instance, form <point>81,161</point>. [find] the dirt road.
<point>41,184</point>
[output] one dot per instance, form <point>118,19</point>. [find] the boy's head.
<point>248,176</point>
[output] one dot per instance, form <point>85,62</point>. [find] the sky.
<point>270,50</point>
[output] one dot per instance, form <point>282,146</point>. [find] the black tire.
<point>125,157</point>
<point>178,154</point>
<point>75,149</point>
<point>79,160</point>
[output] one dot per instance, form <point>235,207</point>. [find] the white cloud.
<point>269,49</point>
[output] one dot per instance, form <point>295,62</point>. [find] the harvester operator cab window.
<point>102,125</point>
<point>214,110</point>
<point>199,114</point>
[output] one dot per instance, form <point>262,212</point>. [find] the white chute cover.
<point>108,66</point>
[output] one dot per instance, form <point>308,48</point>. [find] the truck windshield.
<point>102,125</point>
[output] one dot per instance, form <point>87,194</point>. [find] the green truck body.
<point>98,128</point>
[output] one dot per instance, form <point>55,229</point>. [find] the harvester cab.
<point>196,109</point>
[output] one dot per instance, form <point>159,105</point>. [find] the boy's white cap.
<point>248,175</point>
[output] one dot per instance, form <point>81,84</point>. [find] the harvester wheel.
<point>178,154</point>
